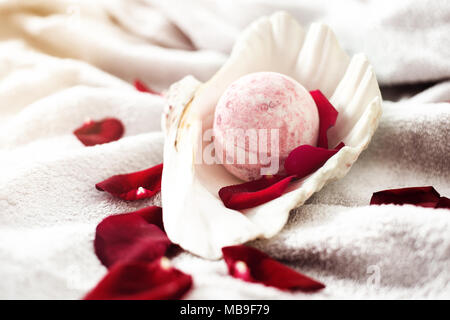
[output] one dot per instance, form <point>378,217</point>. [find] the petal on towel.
<point>142,87</point>
<point>156,280</point>
<point>306,159</point>
<point>92,132</point>
<point>134,186</point>
<point>419,196</point>
<point>327,115</point>
<point>135,236</point>
<point>151,214</point>
<point>443,203</point>
<point>253,193</point>
<point>250,264</point>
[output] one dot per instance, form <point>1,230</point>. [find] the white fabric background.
<point>63,61</point>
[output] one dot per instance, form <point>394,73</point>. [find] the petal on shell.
<point>107,130</point>
<point>327,115</point>
<point>306,159</point>
<point>253,193</point>
<point>252,265</point>
<point>134,186</point>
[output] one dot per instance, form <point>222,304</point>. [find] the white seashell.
<point>194,216</point>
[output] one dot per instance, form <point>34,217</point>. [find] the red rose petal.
<point>327,115</point>
<point>140,86</point>
<point>151,214</point>
<point>252,265</point>
<point>443,203</point>
<point>426,197</point>
<point>301,161</point>
<point>98,132</point>
<point>156,280</point>
<point>253,193</point>
<point>419,196</point>
<point>134,186</point>
<point>306,159</point>
<point>131,237</point>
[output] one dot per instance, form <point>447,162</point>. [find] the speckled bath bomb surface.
<point>265,100</point>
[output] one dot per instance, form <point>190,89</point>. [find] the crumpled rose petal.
<point>156,280</point>
<point>426,197</point>
<point>252,265</point>
<point>92,132</point>
<point>306,159</point>
<point>327,115</point>
<point>140,86</point>
<point>134,186</point>
<point>135,236</point>
<point>253,193</point>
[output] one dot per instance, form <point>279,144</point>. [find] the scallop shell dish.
<point>209,204</point>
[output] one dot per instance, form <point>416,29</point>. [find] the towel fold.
<point>64,61</point>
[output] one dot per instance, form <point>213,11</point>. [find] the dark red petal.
<point>131,237</point>
<point>151,214</point>
<point>443,203</point>
<point>306,159</point>
<point>140,86</point>
<point>327,115</point>
<point>134,186</point>
<point>142,281</point>
<point>419,196</point>
<point>98,132</point>
<point>253,193</point>
<point>250,264</point>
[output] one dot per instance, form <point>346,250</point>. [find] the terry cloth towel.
<point>63,61</point>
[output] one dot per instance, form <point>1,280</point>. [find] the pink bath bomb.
<point>263,115</point>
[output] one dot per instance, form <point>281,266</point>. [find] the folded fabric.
<point>61,63</point>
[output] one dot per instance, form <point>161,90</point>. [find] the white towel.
<point>63,61</point>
